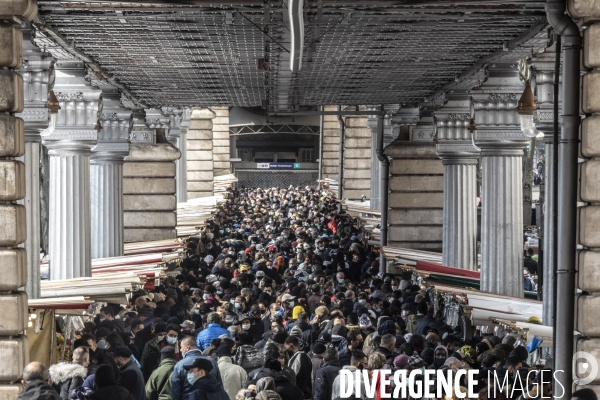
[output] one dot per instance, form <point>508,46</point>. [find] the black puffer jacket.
<point>324,381</point>
<point>283,385</point>
<point>38,390</point>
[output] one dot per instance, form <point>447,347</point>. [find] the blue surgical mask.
<point>219,293</point>
<point>101,344</point>
<point>196,311</point>
<point>238,306</point>
<point>378,310</point>
<point>171,340</point>
<point>191,378</point>
<point>206,296</point>
<point>341,281</point>
<point>232,302</point>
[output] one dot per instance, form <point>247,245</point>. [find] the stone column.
<point>373,122</point>
<point>543,79</point>
<point>13,260</point>
<point>588,275</point>
<point>221,163</point>
<point>331,145</point>
<point>37,73</point>
<point>357,158</point>
<point>200,153</point>
<point>69,139</point>
<point>180,122</point>
<point>106,172</point>
<point>498,134</point>
<point>459,155</point>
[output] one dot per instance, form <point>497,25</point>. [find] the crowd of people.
<point>278,293</point>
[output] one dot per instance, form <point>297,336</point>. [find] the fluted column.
<point>106,175</point>
<point>543,65</point>
<point>499,135</point>
<point>459,154</point>
<point>38,75</point>
<point>69,139</point>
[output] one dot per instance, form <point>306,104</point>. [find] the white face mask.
<point>160,337</point>
<point>246,327</point>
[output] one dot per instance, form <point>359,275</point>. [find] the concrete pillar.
<point>499,135</point>
<point>373,122</point>
<point>69,139</point>
<point>180,122</point>
<point>416,197</point>
<point>543,78</point>
<point>36,79</point>
<point>149,192</point>
<point>357,158</point>
<point>221,163</point>
<point>588,279</point>
<point>106,175</point>
<point>13,260</point>
<point>149,186</point>
<point>331,145</point>
<point>459,155</point>
<point>200,153</point>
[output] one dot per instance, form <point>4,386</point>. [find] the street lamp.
<point>525,108</point>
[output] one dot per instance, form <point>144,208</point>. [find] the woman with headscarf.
<point>265,389</point>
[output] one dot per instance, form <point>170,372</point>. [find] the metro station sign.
<point>278,165</point>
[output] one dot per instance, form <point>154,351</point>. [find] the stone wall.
<point>200,163</point>
<point>588,279</point>
<point>149,200</point>
<point>331,145</point>
<point>357,158</point>
<point>416,196</point>
<point>14,347</point>
<point>221,164</point>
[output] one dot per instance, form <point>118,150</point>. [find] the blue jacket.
<point>180,387</point>
<point>209,334</point>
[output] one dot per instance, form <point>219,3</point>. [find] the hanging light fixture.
<point>525,108</point>
<point>53,104</point>
<point>296,18</point>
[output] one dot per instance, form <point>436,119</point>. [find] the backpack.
<point>268,395</point>
<point>248,357</point>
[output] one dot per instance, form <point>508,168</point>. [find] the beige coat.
<point>233,376</point>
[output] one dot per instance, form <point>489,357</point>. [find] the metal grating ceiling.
<point>205,53</point>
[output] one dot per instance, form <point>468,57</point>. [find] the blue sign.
<point>281,165</point>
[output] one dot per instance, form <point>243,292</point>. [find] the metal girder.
<point>207,53</point>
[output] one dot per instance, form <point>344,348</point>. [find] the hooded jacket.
<point>38,390</point>
<point>207,388</point>
<point>66,377</point>
<point>283,384</point>
<point>233,376</point>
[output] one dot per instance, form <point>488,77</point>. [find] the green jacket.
<point>158,386</point>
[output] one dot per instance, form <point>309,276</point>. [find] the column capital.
<point>38,78</point>
<point>74,129</point>
<point>424,129</point>
<point>542,73</point>
<point>18,10</point>
<point>116,122</point>
<point>175,119</point>
<point>498,129</point>
<point>140,132</point>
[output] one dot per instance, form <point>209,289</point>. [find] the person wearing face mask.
<point>358,361</point>
<point>131,377</point>
<point>440,354</point>
<point>158,386</point>
<point>248,326</point>
<point>203,385</point>
<point>166,335</point>
<point>355,342</point>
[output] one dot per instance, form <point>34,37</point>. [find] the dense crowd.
<point>276,295</point>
